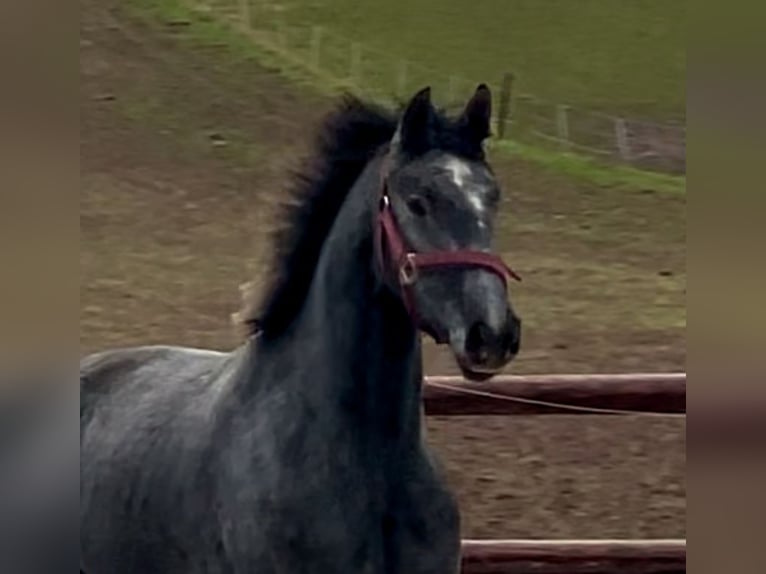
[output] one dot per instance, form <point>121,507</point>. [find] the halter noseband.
<point>399,264</point>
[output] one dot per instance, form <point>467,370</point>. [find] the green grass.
<point>591,171</point>
<point>626,56</point>
<point>207,28</point>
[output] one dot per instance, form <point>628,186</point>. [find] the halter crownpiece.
<point>398,262</point>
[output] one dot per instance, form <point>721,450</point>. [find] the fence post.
<point>504,108</point>
<point>316,47</point>
<point>562,124</point>
<point>244,13</point>
<point>356,63</point>
<point>621,135</point>
<point>401,82</point>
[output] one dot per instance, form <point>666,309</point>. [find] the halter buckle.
<point>408,271</point>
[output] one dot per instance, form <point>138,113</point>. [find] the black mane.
<point>349,138</point>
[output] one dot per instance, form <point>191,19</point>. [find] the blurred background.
<point>194,112</point>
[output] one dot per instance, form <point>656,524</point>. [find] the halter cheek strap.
<point>403,266</point>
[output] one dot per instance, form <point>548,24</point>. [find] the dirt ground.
<point>182,159</point>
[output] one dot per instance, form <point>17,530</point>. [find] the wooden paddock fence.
<point>558,394</point>
<point>662,394</point>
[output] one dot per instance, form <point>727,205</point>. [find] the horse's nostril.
<point>478,341</point>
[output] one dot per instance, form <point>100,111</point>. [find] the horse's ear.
<point>414,132</point>
<point>477,114</point>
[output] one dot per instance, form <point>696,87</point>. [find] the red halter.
<point>395,259</point>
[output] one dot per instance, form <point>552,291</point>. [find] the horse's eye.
<point>417,206</point>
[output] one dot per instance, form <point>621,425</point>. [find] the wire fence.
<point>340,63</point>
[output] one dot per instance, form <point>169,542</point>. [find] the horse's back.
<point>140,372</point>
<point>144,416</point>
<point>116,364</point>
<point>143,394</point>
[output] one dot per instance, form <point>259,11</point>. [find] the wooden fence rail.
<point>663,393</point>
<point>574,556</point>
<point>660,393</point>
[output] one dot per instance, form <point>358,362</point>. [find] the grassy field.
<point>626,56</point>
<point>210,27</point>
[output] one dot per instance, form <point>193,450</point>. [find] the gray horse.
<point>302,451</point>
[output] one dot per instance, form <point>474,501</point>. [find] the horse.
<point>302,451</point>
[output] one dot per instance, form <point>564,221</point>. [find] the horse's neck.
<point>355,336</point>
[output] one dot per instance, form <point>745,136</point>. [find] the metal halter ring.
<point>408,271</point>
